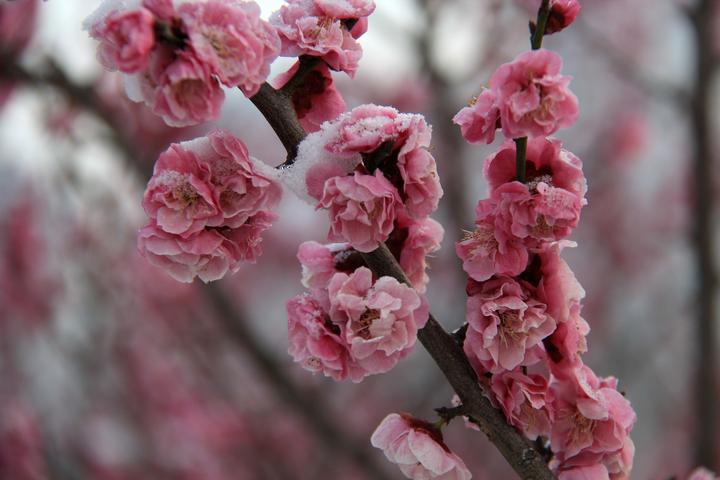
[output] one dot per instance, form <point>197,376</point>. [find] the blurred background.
<point>110,370</point>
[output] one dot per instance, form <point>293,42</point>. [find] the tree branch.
<point>449,356</point>
<point>314,410</point>
<point>706,400</point>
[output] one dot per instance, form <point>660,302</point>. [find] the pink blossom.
<point>318,264</point>
<point>562,14</point>
<point>420,181</point>
<point>380,320</point>
<point>316,100</point>
<point>587,472</point>
<point>592,421</point>
<point>164,10</point>
<point>423,238</point>
<point>362,209</point>
<point>17,25</point>
<point>533,98</point>
<point>183,92</point>
<point>547,206</point>
<point>208,254</point>
<point>506,325</point>
<point>315,341</point>
<point>310,27</point>
<point>126,39</point>
<point>701,473</point>
<point>231,38</point>
<point>525,400</point>
<point>418,449</point>
<point>479,121</point>
<point>208,182</point>
<point>490,249</point>
<point>562,293</point>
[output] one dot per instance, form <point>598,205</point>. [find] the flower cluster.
<point>525,335</point>
<point>418,448</point>
<point>177,54</point>
<point>208,203</point>
<point>351,325</point>
<point>527,97</point>
<point>324,28</point>
<point>370,169</point>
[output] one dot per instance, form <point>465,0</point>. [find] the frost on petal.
<point>310,27</point>
<point>316,100</point>
<point>232,39</point>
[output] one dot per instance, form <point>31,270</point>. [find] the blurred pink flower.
<point>506,325</point>
<point>479,121</point>
<point>362,209</point>
<point>532,95</point>
<point>126,39</point>
<point>232,40</point>
<point>701,473</point>
<point>315,342</point>
<point>418,449</point>
<point>379,319</point>
<point>525,400</point>
<point>562,14</point>
<point>17,25</point>
<point>21,449</point>
<point>311,27</point>
<point>316,100</point>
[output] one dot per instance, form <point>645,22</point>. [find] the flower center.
<point>483,239</point>
<point>364,323</point>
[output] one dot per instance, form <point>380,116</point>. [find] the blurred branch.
<point>627,70</point>
<point>521,454</point>
<point>83,96</point>
<point>706,401</point>
<point>443,108</point>
<point>313,410</point>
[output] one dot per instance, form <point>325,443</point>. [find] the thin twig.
<point>706,401</point>
<point>312,409</point>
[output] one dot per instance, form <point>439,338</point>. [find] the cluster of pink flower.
<point>208,203</point>
<point>525,334</point>
<point>371,170</point>
<point>176,57</point>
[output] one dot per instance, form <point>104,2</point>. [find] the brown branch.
<point>449,356</point>
<point>706,400</point>
<point>83,96</point>
<point>312,409</point>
